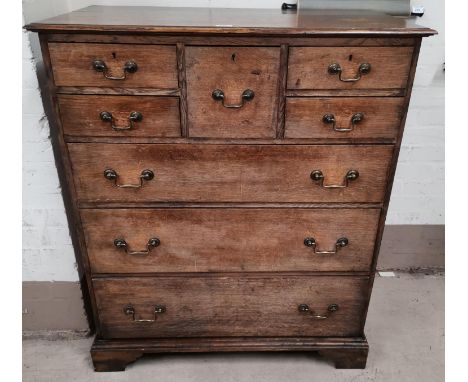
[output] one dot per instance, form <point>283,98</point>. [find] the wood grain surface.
<point>308,67</point>
<point>116,354</point>
<point>382,116</point>
<point>72,65</point>
<point>232,70</point>
<point>229,173</point>
<point>231,40</point>
<point>80,115</point>
<point>230,306</point>
<point>231,200</point>
<point>229,240</point>
<point>232,21</point>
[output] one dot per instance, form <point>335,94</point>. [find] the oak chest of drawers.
<point>227,172</point>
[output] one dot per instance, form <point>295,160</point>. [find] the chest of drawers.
<point>226,172</point>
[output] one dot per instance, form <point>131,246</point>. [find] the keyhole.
<point>233,57</point>
<point>350,58</point>
<point>114,55</point>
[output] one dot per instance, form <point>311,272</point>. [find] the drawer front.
<point>119,116</point>
<point>234,71</point>
<point>231,306</point>
<point>357,117</point>
<point>73,64</point>
<point>217,240</point>
<point>229,173</point>
<point>309,67</point>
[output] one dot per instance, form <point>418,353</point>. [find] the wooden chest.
<point>227,172</point>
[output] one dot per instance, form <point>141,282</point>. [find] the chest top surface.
<point>135,19</point>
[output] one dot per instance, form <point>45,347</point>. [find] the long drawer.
<point>230,240</point>
<point>231,306</point>
<point>229,173</point>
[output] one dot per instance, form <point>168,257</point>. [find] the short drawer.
<point>229,173</point>
<point>114,65</point>
<point>349,67</point>
<point>232,91</point>
<point>119,116</point>
<point>228,306</point>
<point>356,117</point>
<point>229,240</point>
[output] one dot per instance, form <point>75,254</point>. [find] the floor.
<point>405,330</point>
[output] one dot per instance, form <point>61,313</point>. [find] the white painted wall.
<point>418,192</point>
<point>418,196</point>
<point>47,250</point>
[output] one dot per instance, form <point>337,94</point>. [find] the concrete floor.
<point>405,330</point>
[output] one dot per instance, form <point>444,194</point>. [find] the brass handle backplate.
<point>317,176</point>
<point>129,310</point>
<point>152,243</point>
<point>304,308</point>
<point>134,116</point>
<point>330,118</point>
<point>312,243</point>
<point>247,95</point>
<point>335,68</point>
<point>129,67</point>
<point>112,175</point>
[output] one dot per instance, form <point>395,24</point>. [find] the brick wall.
<point>47,250</point>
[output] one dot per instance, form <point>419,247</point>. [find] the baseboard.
<point>55,335</point>
<point>53,306</point>
<point>412,246</point>
<point>57,306</point>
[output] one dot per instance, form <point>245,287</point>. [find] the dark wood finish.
<point>282,85</point>
<point>72,65</point>
<point>304,117</point>
<point>66,180</point>
<point>131,204</point>
<point>113,360</point>
<point>232,70</point>
<point>110,355</point>
<point>391,175</point>
<point>232,141</point>
<point>234,176</point>
<point>346,93</point>
<point>230,240</point>
<point>117,91</point>
<point>230,21</point>
<point>182,78</point>
<point>347,358</point>
<point>80,115</point>
<point>224,173</point>
<point>308,67</point>
<point>232,306</point>
<point>229,274</point>
<point>231,40</point>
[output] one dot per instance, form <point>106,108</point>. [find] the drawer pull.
<point>340,243</point>
<point>134,116</point>
<point>304,308</point>
<point>317,176</point>
<point>335,68</point>
<point>129,67</point>
<point>356,118</point>
<point>247,95</point>
<point>112,175</point>
<point>129,310</point>
<point>152,243</point>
